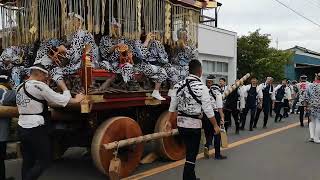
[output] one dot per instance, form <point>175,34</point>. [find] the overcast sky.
<point>272,18</point>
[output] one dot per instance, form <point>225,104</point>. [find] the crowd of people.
<point>200,106</point>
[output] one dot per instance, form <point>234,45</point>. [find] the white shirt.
<point>182,101</point>
<point>223,89</point>
<point>216,102</point>
<point>271,93</point>
<point>244,93</point>
<point>246,88</point>
<point>241,98</point>
<point>287,94</point>
<point>26,105</point>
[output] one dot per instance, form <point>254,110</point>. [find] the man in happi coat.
<point>11,61</point>
<point>113,48</point>
<point>183,54</point>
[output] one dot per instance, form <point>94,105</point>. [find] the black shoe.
<point>301,125</point>
<point>220,157</point>
<point>197,178</point>
<point>237,132</point>
<point>250,129</point>
<point>255,126</point>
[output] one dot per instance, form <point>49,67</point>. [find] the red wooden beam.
<point>124,103</point>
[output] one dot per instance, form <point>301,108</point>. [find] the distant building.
<point>218,52</point>
<point>304,61</point>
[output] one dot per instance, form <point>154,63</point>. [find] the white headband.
<point>114,22</point>
<point>76,16</point>
<point>39,68</point>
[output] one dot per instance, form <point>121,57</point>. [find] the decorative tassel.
<point>103,3</point>
<point>167,34</point>
<point>138,18</point>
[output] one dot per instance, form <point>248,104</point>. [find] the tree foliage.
<point>255,56</point>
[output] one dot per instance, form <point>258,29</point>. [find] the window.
<point>225,67</point>
<point>219,69</point>
<point>222,67</point>
<point>209,66</point>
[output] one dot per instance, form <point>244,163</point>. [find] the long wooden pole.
<point>140,139</point>
<point>235,86</point>
<point>159,135</point>
<point>8,112</point>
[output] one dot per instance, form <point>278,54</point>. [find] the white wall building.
<point>218,52</point>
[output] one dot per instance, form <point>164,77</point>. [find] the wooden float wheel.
<point>171,148</point>
<point>116,129</point>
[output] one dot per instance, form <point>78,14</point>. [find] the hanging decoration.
<point>153,15</point>
<point>138,19</point>
<point>126,12</point>
<point>64,12</point>
<point>25,21</point>
<point>167,34</point>
<point>188,19</point>
<point>103,9</point>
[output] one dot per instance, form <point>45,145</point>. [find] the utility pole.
<point>277,42</point>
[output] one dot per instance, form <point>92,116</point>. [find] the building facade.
<point>218,52</point>
<point>304,61</point>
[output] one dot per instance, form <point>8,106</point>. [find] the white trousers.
<point>314,128</point>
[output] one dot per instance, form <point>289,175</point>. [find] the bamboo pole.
<point>159,135</point>
<point>235,86</point>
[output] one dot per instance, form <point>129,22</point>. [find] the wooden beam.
<point>200,3</point>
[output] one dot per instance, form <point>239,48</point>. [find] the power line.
<point>299,14</point>
<point>314,3</point>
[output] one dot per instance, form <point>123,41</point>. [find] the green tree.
<point>255,56</point>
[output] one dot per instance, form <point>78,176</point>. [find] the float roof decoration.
<point>25,21</point>
<point>199,3</point>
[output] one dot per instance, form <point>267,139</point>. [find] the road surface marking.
<point>200,155</point>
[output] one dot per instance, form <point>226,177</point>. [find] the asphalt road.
<point>284,155</point>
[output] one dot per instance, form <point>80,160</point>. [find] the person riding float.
<point>115,49</point>
<point>11,61</point>
<point>79,39</point>
<point>48,56</point>
<point>183,54</point>
<point>157,66</point>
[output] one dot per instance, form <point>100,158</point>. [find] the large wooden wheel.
<point>171,148</point>
<point>115,129</point>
